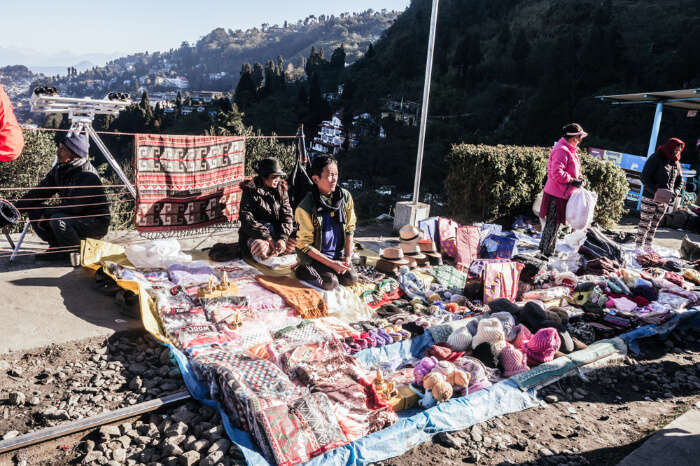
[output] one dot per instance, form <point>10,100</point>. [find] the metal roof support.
<point>653,139</point>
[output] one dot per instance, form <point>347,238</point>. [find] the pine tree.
<point>258,75</point>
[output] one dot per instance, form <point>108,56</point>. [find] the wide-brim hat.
<point>409,234</point>
<point>394,255</point>
<point>412,251</point>
<point>386,266</point>
<point>269,166</point>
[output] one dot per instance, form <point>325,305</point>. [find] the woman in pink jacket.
<point>563,177</point>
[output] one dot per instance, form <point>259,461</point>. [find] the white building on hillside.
<point>330,137</point>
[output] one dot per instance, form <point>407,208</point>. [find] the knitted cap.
<point>542,346</point>
<point>489,330</point>
<point>486,353</point>
<point>477,373</point>
<point>513,361</point>
<point>504,305</point>
<point>522,334</point>
<point>473,324</point>
<point>78,143</point>
<point>508,323</point>
<point>460,340</point>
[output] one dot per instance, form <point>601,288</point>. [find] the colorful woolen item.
<point>542,346</point>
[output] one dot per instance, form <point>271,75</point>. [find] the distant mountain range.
<point>52,63</point>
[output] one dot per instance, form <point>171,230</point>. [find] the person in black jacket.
<point>662,181</point>
<point>80,193</point>
<point>267,221</point>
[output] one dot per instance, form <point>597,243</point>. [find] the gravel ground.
<point>55,384</point>
<point>596,421</point>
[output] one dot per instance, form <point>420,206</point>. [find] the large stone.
<point>17,398</point>
<point>200,445</point>
<point>213,459</point>
<point>176,429</point>
<point>171,449</point>
<point>183,414</point>
<point>189,458</point>
<point>449,441</point>
<point>107,432</point>
<point>11,434</point>
<point>135,383</point>
<point>119,455</point>
<point>220,445</point>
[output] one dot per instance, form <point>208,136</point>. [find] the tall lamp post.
<point>414,211</point>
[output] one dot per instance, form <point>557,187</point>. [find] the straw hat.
<point>427,247</point>
<point>412,252</point>
<point>410,234</point>
<point>394,255</point>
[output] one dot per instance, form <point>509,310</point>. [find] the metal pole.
<point>108,155</point>
<point>426,98</point>
<point>653,139</point>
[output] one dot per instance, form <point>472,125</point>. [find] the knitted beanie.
<point>542,346</point>
<point>460,340</point>
<point>477,373</point>
<point>523,335</point>
<point>473,324</point>
<point>561,312</point>
<point>423,368</point>
<point>486,353</point>
<point>504,305</point>
<point>648,292</point>
<point>513,361</point>
<point>489,330</point>
<point>508,323</point>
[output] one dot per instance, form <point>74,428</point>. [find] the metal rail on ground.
<point>63,430</point>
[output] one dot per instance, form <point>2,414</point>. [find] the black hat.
<point>269,166</point>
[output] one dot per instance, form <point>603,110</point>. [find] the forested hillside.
<point>514,71</point>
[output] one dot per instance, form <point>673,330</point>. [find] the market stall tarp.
<point>413,427</point>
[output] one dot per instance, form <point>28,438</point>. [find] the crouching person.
<point>83,210</point>
<point>267,221</point>
<point>326,218</point>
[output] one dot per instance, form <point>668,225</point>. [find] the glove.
<point>577,183</point>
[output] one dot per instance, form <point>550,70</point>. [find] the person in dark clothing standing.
<point>80,193</point>
<point>267,221</point>
<point>662,181</point>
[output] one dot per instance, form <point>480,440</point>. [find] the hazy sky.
<point>89,26</point>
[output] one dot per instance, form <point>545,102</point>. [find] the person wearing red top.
<point>563,177</point>
<point>11,139</point>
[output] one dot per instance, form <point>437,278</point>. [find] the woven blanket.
<point>305,301</point>
<point>187,182</point>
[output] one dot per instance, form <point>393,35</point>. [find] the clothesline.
<point>74,205</point>
<point>65,187</point>
<point>68,218</point>
<point>39,253</point>
<point>69,197</point>
<point>118,133</point>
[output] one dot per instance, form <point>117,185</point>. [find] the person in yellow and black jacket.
<point>327,221</point>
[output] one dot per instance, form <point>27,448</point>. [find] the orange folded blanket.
<point>307,302</point>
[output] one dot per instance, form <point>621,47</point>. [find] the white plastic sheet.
<point>160,253</point>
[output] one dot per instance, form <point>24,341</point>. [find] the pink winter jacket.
<point>563,168</point>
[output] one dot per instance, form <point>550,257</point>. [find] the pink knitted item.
<point>542,346</point>
<point>523,335</point>
<point>513,361</point>
<point>490,331</point>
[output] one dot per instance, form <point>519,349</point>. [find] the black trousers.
<point>551,229</point>
<point>324,277</point>
<point>58,231</point>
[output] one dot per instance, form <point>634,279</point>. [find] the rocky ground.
<point>594,421</point>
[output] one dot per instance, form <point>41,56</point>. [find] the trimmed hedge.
<point>486,183</point>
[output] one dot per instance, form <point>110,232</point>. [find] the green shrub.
<point>485,183</point>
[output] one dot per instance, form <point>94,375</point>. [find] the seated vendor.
<point>83,210</point>
<point>265,213</point>
<point>326,218</point>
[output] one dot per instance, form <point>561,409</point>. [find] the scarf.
<point>335,208</point>
<point>307,302</point>
<point>669,147</point>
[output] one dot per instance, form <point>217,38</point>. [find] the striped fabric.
<point>649,219</point>
<point>262,249</point>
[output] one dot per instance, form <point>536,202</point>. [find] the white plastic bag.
<point>537,205</point>
<point>580,208</point>
<point>160,253</point>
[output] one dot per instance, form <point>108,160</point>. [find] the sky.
<point>90,28</point>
